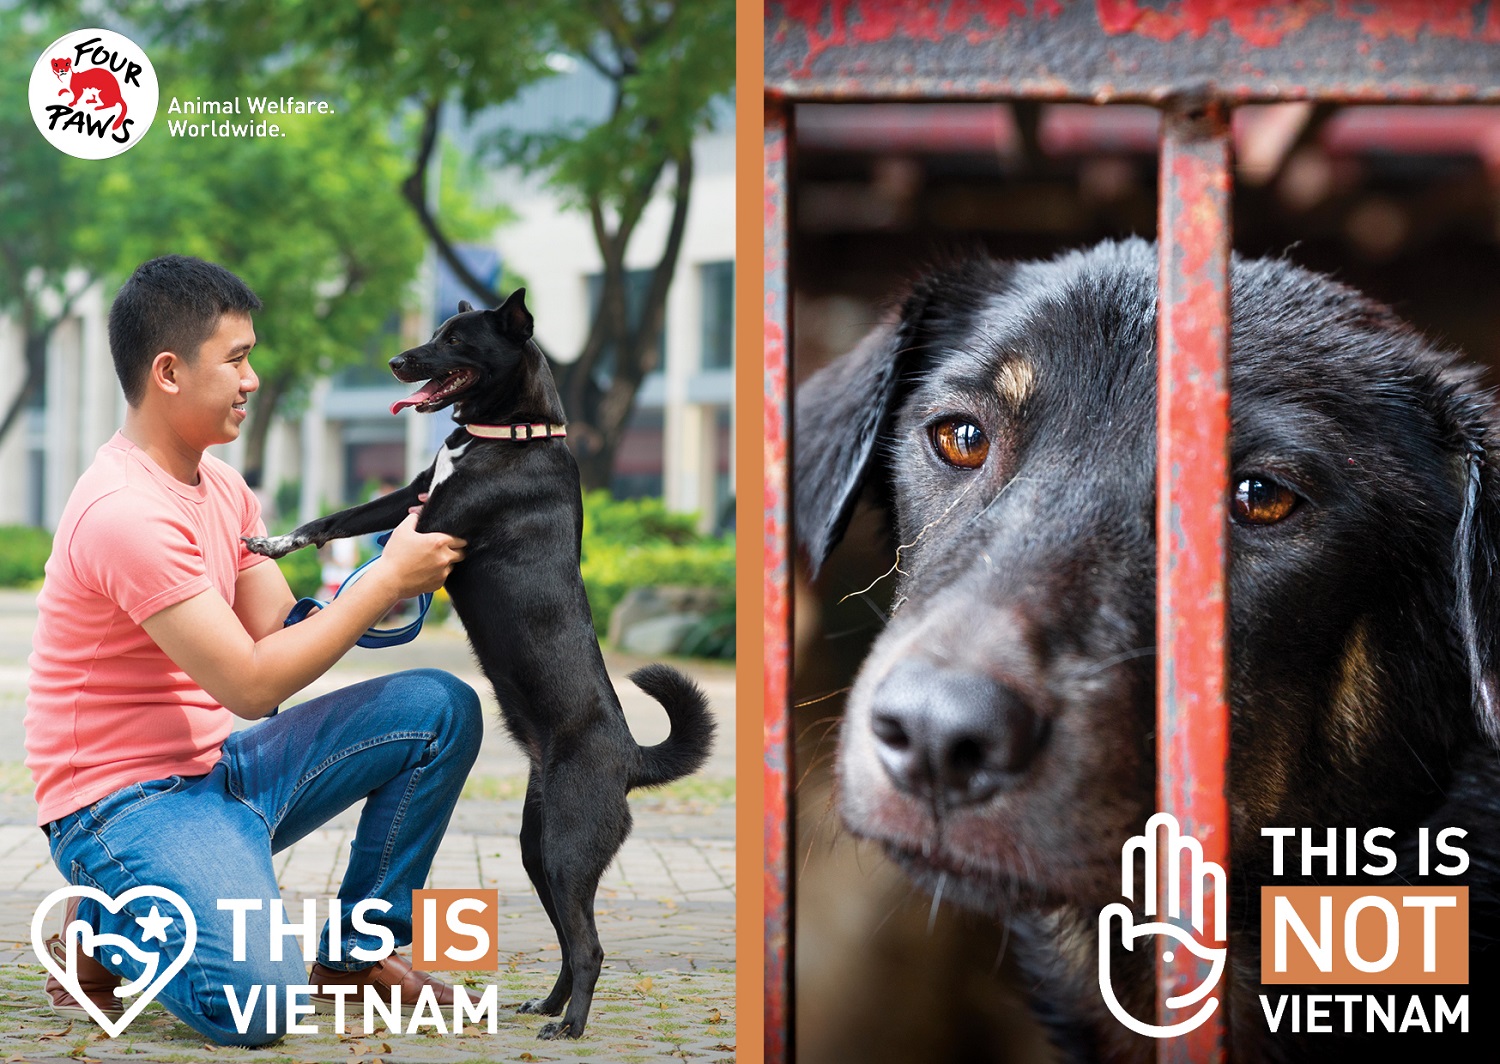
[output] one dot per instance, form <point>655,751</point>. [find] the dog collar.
<point>539,431</point>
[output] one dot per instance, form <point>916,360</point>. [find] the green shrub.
<point>23,554</point>
<point>610,520</point>
<point>637,543</point>
<point>303,572</point>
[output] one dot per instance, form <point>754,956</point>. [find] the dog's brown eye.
<point>960,443</point>
<point>1258,501</point>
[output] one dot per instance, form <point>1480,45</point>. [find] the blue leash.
<point>375,638</point>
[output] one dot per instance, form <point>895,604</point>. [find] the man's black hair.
<point>170,304</point>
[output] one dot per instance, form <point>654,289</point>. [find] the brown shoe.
<point>393,971</point>
<point>96,981</point>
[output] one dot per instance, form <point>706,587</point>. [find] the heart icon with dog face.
<point>79,937</point>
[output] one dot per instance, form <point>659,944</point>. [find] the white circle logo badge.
<point>93,94</point>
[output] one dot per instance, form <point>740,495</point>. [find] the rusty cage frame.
<point>1195,60</point>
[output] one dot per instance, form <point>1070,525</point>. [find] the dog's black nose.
<point>954,736</point>
<point>397,363</point>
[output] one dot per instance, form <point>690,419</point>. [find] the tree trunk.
<point>634,344</point>
<point>414,188</point>
<point>31,383</point>
<point>263,406</point>
<point>37,335</point>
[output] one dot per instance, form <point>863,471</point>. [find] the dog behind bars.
<point>999,740</point>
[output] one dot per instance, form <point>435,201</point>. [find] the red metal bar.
<point>1113,51</point>
<point>778,594</point>
<point>1192,478</point>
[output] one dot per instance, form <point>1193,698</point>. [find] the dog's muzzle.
<point>949,737</point>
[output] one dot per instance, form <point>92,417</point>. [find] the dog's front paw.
<point>561,1029</point>
<point>274,546</point>
<point>538,1007</point>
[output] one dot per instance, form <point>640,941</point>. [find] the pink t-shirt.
<point>106,708</point>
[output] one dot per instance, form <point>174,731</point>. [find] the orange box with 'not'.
<point>456,930</point>
<point>1364,935</point>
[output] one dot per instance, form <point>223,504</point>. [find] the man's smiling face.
<point>216,385</point>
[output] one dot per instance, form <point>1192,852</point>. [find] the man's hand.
<point>417,562</point>
<point>251,670</point>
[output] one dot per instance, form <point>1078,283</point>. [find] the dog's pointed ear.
<point>515,320</point>
<point>840,414</point>
<point>464,306</point>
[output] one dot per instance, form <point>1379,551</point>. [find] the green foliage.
<point>668,62</point>
<point>46,202</point>
<point>627,521</point>
<point>480,53</point>
<point>23,554</point>
<point>712,637</point>
<point>637,543</point>
<point>303,571</point>
<point>39,186</point>
<point>313,221</point>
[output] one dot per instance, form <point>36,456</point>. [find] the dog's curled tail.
<point>685,750</point>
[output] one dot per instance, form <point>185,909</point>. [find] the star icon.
<point>154,926</point>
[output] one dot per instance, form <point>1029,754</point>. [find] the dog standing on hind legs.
<point>506,482</point>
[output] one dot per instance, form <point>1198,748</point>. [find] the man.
<point>156,628</point>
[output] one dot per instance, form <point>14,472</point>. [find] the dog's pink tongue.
<point>416,398</point>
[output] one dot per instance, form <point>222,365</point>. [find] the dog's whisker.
<point>828,724</point>
<point>1004,488</point>
<point>1004,942</point>
<point>921,532</point>
<point>818,829</point>
<point>892,911</point>
<point>862,629</point>
<point>822,698</point>
<point>895,567</point>
<point>815,762</point>
<point>1117,659</point>
<point>937,901</point>
<point>1418,758</point>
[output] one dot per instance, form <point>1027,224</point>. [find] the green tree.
<point>311,220</point>
<point>666,62</point>
<point>45,204</point>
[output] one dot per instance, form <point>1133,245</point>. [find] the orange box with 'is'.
<point>456,930</point>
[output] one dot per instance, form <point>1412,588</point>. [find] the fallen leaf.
<point>714,1017</point>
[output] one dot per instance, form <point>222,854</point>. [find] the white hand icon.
<point>1204,877</point>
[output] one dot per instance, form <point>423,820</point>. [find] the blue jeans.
<point>404,743</point>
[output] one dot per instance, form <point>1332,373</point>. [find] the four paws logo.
<point>93,94</point>
<point>146,950</point>
<point>1204,877</point>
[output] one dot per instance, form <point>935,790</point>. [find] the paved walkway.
<point>665,909</point>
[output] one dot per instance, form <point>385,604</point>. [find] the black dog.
<point>999,740</point>
<point>518,591</point>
